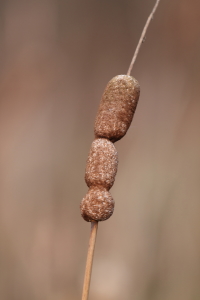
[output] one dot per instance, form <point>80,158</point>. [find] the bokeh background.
<point>56,59</point>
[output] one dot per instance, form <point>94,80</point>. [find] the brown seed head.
<point>101,164</point>
<point>97,205</point>
<point>117,107</point>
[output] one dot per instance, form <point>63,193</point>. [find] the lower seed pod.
<point>117,108</point>
<point>101,164</point>
<point>97,205</point>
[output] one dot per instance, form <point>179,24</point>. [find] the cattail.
<point>113,119</point>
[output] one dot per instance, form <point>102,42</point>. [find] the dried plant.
<point>115,114</point>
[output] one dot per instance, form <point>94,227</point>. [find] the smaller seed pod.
<point>102,164</point>
<point>97,205</point>
<point>117,108</point>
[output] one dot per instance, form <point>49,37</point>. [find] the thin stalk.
<point>88,268</point>
<point>141,40</point>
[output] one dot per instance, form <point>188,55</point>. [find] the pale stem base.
<point>88,269</point>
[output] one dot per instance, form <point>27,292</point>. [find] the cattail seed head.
<point>97,205</point>
<point>113,119</point>
<point>117,108</point>
<point>102,164</point>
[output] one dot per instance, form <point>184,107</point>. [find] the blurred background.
<point>56,59</point>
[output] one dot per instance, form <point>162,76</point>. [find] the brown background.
<point>56,59</point>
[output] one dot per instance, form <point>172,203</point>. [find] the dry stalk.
<point>88,268</point>
<point>142,37</point>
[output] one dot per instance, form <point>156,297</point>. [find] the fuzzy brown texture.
<point>117,108</point>
<point>97,205</point>
<point>101,164</point>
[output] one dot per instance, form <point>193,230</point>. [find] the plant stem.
<point>141,40</point>
<point>88,268</point>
